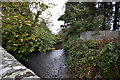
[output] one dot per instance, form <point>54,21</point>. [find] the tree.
<point>116,16</point>
<point>105,9</point>
<point>22,32</point>
<point>89,16</point>
<point>81,17</point>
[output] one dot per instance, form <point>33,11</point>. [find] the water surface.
<point>49,65</point>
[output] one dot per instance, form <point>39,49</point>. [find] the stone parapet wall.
<point>97,35</point>
<point>0,36</point>
<point>11,69</point>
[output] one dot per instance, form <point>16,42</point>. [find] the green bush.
<point>87,59</point>
<point>20,36</point>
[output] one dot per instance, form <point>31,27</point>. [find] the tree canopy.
<point>22,32</point>
<point>89,16</point>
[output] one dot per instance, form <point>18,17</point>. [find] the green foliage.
<point>84,17</point>
<point>87,59</point>
<point>88,16</point>
<point>21,33</point>
<point>95,33</point>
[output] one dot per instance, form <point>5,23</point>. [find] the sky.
<point>56,12</point>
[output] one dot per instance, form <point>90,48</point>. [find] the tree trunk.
<point>104,13</point>
<point>115,26</point>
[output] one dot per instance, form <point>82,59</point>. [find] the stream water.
<point>49,65</point>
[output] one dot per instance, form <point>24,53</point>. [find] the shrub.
<point>89,59</point>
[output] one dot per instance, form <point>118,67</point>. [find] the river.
<point>49,65</point>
